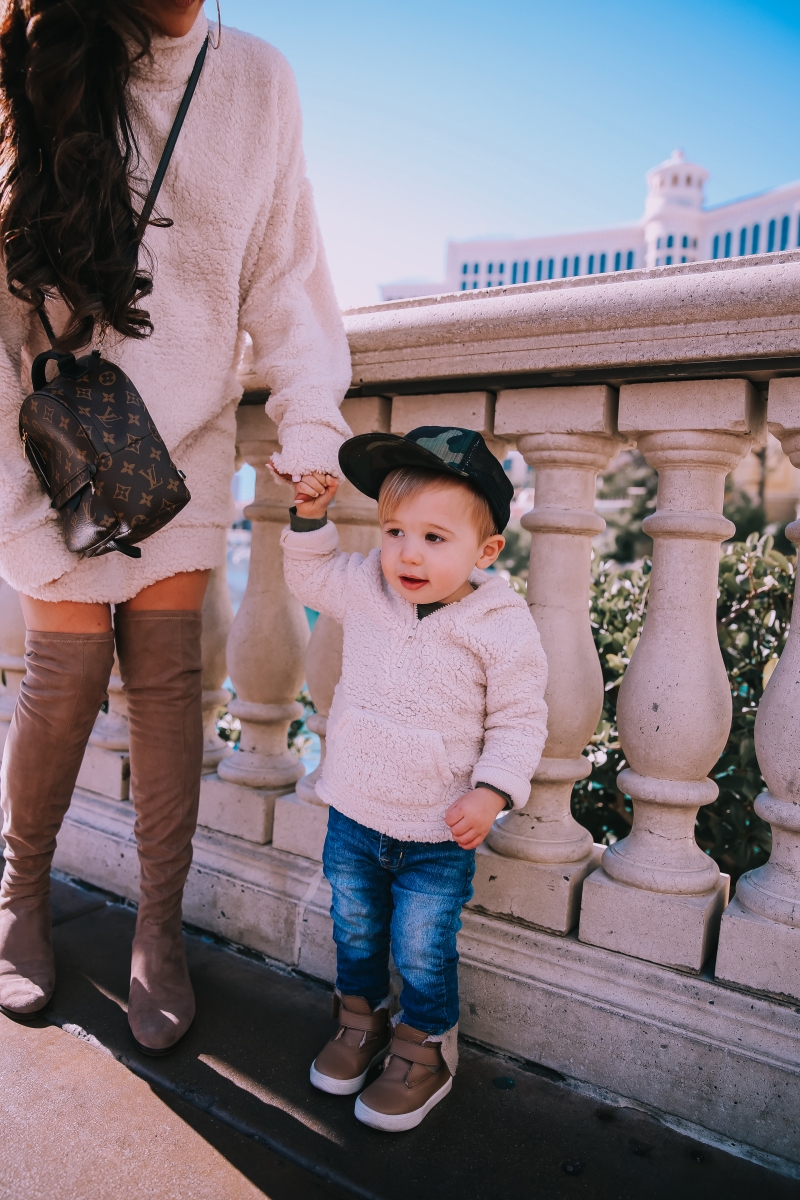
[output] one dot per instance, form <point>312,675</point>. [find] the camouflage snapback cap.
<point>367,459</point>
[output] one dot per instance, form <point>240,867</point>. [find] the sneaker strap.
<point>427,1056</point>
<point>367,1022</point>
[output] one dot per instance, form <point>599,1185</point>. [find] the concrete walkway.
<point>231,1114</point>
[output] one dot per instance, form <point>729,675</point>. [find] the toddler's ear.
<point>490,550</point>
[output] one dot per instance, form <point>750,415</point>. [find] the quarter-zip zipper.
<point>409,637</point>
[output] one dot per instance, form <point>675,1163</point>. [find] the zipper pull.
<point>24,440</point>
<point>409,637</point>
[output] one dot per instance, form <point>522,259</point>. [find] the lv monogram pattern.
<point>93,445</point>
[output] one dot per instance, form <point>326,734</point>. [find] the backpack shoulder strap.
<point>161,170</point>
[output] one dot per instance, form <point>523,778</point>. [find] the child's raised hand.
<point>313,493</point>
<point>472,815</point>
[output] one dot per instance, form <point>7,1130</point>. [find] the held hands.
<point>312,493</point>
<point>471,816</point>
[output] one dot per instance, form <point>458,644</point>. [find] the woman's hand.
<point>312,493</point>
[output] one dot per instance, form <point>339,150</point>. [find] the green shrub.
<point>754,605</point>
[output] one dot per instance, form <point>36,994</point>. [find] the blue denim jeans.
<point>403,895</point>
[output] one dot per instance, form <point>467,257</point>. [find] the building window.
<point>590,268</point>
<point>602,264</point>
<point>565,267</point>
<point>576,265</point>
<point>525,270</point>
<point>756,238</point>
<point>685,242</point>
<point>551,266</point>
<point>489,268</point>
<point>694,243</point>
<point>464,286</point>
<point>658,243</point>
<point>784,233</point>
<point>715,251</point>
<point>475,284</point>
<point>501,269</point>
<point>670,242</point>
<point>668,260</point>
<point>688,181</point>
<point>617,261</point>
<point>476,268</point>
<point>743,242</point>
<point>465,269</point>
<point>683,258</point>
<point>728,239</point>
<point>514,272</point>
<point>629,263</point>
<point>539,269</point>
<point>771,230</point>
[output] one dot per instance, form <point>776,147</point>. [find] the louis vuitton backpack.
<point>89,437</point>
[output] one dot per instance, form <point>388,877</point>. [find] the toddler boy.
<point>437,724</point>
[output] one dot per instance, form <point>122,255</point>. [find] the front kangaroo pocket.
<point>371,756</point>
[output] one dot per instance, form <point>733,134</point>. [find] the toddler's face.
<point>430,546</point>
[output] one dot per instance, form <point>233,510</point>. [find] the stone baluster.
<point>111,728</point>
<point>265,654</point>
<point>538,857</point>
<point>217,621</point>
<point>301,820</point>
<point>658,896</point>
<point>12,655</point>
<point>759,940</point>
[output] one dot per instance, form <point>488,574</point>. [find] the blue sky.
<point>433,119</point>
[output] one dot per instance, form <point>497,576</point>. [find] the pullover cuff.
<point>305,524</point>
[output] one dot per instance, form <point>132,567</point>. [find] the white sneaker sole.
<point>398,1122</point>
<point>344,1087</point>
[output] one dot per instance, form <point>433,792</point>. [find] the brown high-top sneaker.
<point>414,1079</point>
<point>361,1040</point>
<point>65,683</point>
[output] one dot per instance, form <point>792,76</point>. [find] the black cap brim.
<point>368,458</point>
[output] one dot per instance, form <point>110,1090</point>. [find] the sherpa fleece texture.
<point>424,710</point>
<point>243,256</point>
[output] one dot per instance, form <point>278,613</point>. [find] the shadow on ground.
<point>240,1079</point>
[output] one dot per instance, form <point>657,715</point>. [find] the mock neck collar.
<point>172,58</point>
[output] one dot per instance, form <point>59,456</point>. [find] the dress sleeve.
<point>300,351</point>
<point>516,713</point>
<point>32,549</point>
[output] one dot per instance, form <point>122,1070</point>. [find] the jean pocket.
<point>371,756</point>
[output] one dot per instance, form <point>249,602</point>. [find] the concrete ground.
<point>232,1115</point>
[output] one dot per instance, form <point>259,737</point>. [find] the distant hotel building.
<point>675,228</point>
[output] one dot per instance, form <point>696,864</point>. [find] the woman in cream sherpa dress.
<point>242,257</point>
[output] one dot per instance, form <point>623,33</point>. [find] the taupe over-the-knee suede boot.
<point>160,664</point>
<point>64,686</point>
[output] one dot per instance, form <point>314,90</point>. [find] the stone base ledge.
<point>757,953</point>
<point>300,827</point>
<point>701,1051</point>
<point>674,931</point>
<point>542,895</point>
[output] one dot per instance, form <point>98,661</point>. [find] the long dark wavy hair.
<point>68,155</point>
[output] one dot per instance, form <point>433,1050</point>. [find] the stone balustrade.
<point>624,966</point>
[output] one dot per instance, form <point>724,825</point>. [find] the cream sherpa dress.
<point>243,256</point>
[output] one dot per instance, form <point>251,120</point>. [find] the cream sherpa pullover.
<point>424,710</point>
<point>243,256</point>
